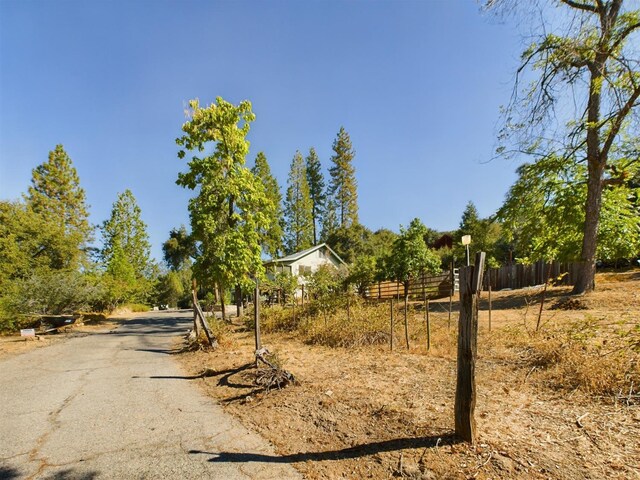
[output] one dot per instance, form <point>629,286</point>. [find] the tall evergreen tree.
<point>316,190</point>
<point>125,237</point>
<point>55,193</point>
<point>271,235</point>
<point>329,219</point>
<point>298,208</point>
<point>343,187</point>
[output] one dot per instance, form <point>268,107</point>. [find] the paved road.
<point>114,405</point>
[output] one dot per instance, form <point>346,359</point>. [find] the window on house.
<point>304,270</point>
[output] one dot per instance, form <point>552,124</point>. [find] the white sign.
<point>28,332</point>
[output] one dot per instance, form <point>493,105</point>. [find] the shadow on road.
<point>352,452</point>
<point>9,473</point>
<point>224,380</point>
<point>71,474</point>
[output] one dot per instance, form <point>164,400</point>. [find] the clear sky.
<point>417,84</point>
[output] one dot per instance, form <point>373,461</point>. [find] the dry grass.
<point>558,403</point>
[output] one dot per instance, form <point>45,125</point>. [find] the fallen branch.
<point>271,375</point>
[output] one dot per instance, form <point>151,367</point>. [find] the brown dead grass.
<point>550,404</point>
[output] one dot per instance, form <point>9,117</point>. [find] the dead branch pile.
<point>194,344</point>
<point>269,374</point>
<point>569,303</point>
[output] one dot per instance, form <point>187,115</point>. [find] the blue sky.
<point>417,85</point>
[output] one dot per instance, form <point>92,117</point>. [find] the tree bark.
<point>239,305</point>
<point>596,161</point>
<point>224,314</point>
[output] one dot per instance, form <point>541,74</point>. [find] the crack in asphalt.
<point>54,424</point>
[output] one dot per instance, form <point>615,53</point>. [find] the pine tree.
<point>271,236</point>
<point>55,193</point>
<point>298,208</point>
<point>343,187</point>
<point>329,219</point>
<point>125,236</point>
<point>316,190</point>
<point>470,221</point>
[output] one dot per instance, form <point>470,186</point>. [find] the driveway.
<point>117,405</point>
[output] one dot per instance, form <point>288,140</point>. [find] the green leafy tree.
<point>350,241</point>
<point>343,187</point>
<point>231,207</point>
<point>585,88</point>
<point>179,249</point>
<point>543,213</point>
<point>56,194</point>
<point>125,234</point>
<point>298,208</point>
<point>271,236</point>
<point>35,277</point>
<point>174,288</point>
<point>317,192</point>
<point>410,256</point>
<point>485,233</point>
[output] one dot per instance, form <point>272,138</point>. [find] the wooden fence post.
<point>489,306</point>
<point>256,316</point>
<point>406,321</point>
<point>465,402</point>
<point>391,336</point>
<point>451,292</point>
<point>196,325</point>
<point>205,326</point>
<point>426,315</point>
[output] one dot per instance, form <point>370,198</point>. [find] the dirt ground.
<point>372,413</point>
<point>15,344</point>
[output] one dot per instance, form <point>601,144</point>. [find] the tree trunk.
<point>596,162</point>
<point>585,281</point>
<point>224,314</point>
<point>239,305</point>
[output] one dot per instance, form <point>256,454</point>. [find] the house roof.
<point>303,253</point>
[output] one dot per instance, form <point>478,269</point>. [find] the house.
<point>304,262</point>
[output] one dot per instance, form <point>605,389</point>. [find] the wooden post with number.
<point>465,402</point>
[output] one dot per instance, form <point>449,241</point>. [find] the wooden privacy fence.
<point>522,276</point>
<point>435,286</point>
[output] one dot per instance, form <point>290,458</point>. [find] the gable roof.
<point>303,253</point>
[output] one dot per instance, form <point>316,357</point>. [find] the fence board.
<point>521,276</point>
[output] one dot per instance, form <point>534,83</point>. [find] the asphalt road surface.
<point>116,405</point>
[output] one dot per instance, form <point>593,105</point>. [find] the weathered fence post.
<point>256,316</point>
<point>489,306</point>
<point>406,321</point>
<point>451,292</point>
<point>544,294</point>
<point>391,336</point>
<point>303,296</point>
<point>205,326</point>
<point>426,316</point>
<point>465,402</point>
<point>196,325</point>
